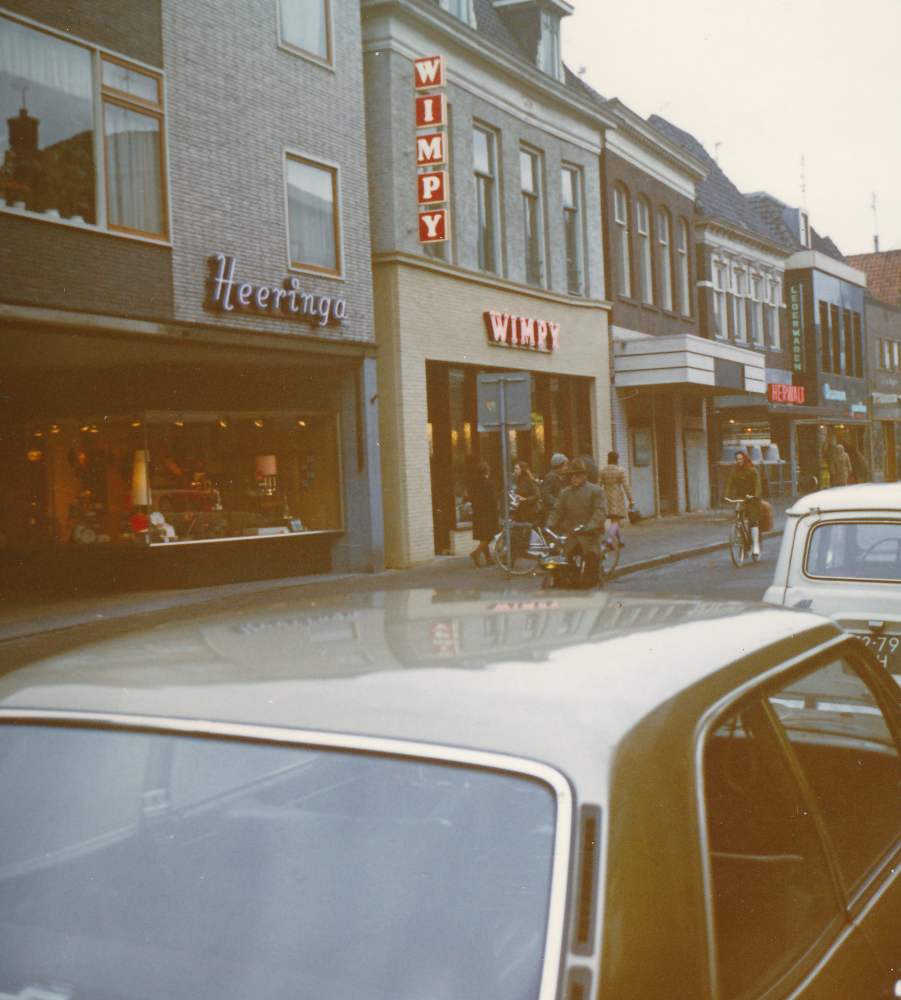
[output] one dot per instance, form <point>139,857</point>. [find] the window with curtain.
<point>621,219</point>
<point>645,272</point>
<point>664,240</point>
<point>304,26</point>
<point>47,95</point>
<point>549,45</point>
<point>683,268</point>
<point>461,9</point>
<point>572,229</point>
<point>484,155</point>
<point>313,216</point>
<point>530,179</point>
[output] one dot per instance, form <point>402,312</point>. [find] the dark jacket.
<point>551,486</point>
<point>742,483</point>
<point>583,506</point>
<point>527,508</point>
<point>483,497</point>
<point>591,467</point>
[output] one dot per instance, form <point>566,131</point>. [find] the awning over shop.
<point>687,360</point>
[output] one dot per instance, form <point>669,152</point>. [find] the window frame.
<point>755,288</point>
<point>534,201</point>
<point>327,61</point>
<point>772,311</point>
<point>621,211</point>
<point>493,180</point>
<point>549,38</point>
<point>739,319</point>
<point>721,300</point>
<point>335,170</point>
<point>574,212</point>
<point>665,249</point>
<point>101,95</point>
<point>645,255</point>
<point>684,267</point>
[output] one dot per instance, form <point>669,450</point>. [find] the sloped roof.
<point>824,245</point>
<point>716,195</point>
<point>771,210</point>
<point>883,271</point>
<point>489,24</point>
<point>577,83</point>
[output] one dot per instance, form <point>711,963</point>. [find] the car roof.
<point>860,497</point>
<point>556,679</point>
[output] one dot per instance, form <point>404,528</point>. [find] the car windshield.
<point>855,550</point>
<point>140,864</point>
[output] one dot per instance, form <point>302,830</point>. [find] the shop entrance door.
<point>695,471</point>
<point>641,469</point>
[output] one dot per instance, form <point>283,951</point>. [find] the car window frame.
<point>845,519</point>
<point>566,832</point>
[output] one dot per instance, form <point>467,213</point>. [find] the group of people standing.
<point>572,494</point>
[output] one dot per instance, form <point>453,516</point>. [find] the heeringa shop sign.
<point>225,294</point>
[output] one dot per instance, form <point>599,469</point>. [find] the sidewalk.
<point>652,542</point>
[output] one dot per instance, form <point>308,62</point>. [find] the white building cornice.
<point>714,231</point>
<point>648,138</point>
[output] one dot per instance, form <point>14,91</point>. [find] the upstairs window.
<point>804,229</point>
<point>719,301</point>
<point>664,240</point>
<point>645,272</point>
<point>461,9</point>
<point>549,45</point>
<point>572,229</point>
<point>305,27</point>
<point>772,315</point>
<point>621,248</point>
<point>485,168</point>
<point>53,164</point>
<point>313,216</point>
<point>684,268</point>
<point>757,310</point>
<point>739,326</point>
<point>533,233</point>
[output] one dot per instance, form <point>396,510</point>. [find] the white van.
<point>841,557</point>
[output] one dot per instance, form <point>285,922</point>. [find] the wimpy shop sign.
<point>226,294</point>
<point>520,331</point>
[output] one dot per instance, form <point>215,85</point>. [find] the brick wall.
<point>236,102</point>
<point>131,29</point>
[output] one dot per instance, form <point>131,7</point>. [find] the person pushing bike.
<point>744,482</point>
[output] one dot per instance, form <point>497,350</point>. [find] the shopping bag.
<point>634,515</point>
<point>766,516</point>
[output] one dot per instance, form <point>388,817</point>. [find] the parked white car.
<point>841,557</point>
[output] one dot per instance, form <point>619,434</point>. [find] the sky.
<point>770,82</point>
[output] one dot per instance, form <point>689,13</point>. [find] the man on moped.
<point>581,506</point>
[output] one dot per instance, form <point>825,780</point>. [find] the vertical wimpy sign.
<point>432,185</point>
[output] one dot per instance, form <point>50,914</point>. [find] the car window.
<point>159,866</point>
<point>855,550</point>
<point>772,897</point>
<point>850,760</point>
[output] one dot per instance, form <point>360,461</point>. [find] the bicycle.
<point>566,571</point>
<point>539,545</point>
<point>740,534</point>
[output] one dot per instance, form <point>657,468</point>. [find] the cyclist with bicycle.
<point>581,505</point>
<point>744,482</point>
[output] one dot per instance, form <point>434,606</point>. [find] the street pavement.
<point>651,543</point>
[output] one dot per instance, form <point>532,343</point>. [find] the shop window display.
<point>165,478</point>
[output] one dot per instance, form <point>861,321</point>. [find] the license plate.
<point>886,649</point>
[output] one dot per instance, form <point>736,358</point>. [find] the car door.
<point>777,918</point>
<point>843,724</point>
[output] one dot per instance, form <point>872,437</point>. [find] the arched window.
<point>664,239</point>
<point>683,268</point>
<point>645,272</point>
<point>621,239</point>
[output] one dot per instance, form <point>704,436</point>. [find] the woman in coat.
<point>483,498</point>
<point>613,479</point>
<point>744,481</point>
<point>527,492</point>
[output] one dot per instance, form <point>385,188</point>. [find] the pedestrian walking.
<point>614,481</point>
<point>841,467</point>
<point>483,497</point>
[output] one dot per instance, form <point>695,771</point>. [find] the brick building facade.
<point>186,313</point>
